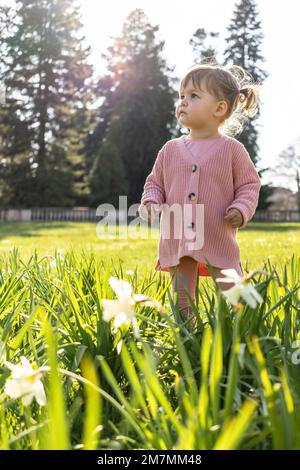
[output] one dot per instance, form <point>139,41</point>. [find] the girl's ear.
<point>221,108</point>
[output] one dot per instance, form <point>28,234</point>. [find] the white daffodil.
<point>241,287</point>
<point>122,309</point>
<point>25,382</point>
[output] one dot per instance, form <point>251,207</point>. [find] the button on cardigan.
<point>217,173</point>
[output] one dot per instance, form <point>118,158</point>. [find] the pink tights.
<point>187,269</point>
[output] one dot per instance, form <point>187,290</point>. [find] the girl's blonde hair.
<point>232,84</point>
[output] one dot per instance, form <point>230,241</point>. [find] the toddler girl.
<point>206,180</point>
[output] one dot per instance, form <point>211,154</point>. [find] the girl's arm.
<point>154,192</point>
<point>246,183</point>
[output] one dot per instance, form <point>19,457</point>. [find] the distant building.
<point>282,199</point>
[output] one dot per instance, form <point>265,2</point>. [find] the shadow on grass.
<point>31,229</point>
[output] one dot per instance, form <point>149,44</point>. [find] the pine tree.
<point>205,46</point>
<point>108,179</point>
<point>15,135</point>
<point>46,70</point>
<point>138,107</point>
<point>244,49</point>
<point>15,167</point>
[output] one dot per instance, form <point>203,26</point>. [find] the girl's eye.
<point>182,96</point>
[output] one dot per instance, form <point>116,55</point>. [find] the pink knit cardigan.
<point>217,173</point>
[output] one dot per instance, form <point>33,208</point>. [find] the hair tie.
<point>244,92</point>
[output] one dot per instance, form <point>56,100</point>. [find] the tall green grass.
<point>233,383</point>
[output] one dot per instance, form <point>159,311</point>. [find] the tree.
<point>15,135</point>
<point>108,179</point>
<point>288,167</point>
<point>244,49</point>
<point>205,53</point>
<point>47,76</point>
<point>138,101</point>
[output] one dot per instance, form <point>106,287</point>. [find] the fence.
<point>75,214</point>
<point>85,214</point>
<point>276,216</point>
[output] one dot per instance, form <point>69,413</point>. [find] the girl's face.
<point>196,108</point>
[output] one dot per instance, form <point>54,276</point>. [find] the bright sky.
<point>178,20</point>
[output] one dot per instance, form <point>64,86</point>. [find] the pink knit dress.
<point>217,173</point>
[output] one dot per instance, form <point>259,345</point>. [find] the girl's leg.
<point>186,270</point>
<point>223,285</point>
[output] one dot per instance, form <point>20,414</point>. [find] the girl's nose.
<point>182,102</point>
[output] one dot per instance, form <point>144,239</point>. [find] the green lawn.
<point>232,383</point>
<point>258,242</point>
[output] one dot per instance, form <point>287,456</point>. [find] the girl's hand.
<point>234,217</point>
<point>149,211</point>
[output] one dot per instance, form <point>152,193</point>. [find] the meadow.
<point>258,242</point>
<point>232,383</point>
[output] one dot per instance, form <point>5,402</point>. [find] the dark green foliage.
<point>137,113</point>
<point>243,48</point>
<point>44,117</point>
